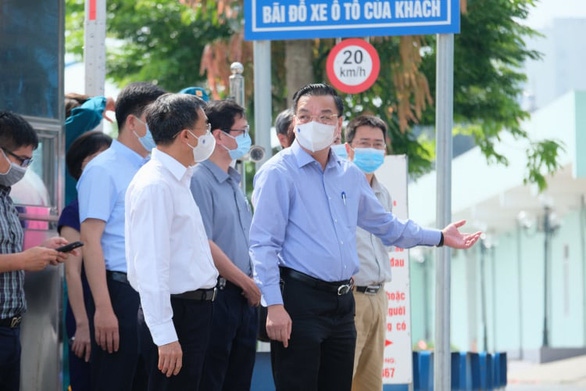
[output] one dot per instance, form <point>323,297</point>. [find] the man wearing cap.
<point>197,91</point>
<point>226,216</point>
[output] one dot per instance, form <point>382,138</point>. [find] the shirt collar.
<point>128,153</point>
<point>303,158</point>
<point>219,174</point>
<point>375,185</point>
<point>178,170</point>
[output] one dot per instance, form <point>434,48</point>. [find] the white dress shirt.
<point>167,249</point>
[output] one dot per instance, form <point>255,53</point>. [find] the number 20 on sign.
<point>353,66</point>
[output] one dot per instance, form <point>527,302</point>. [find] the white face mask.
<point>205,147</point>
<point>315,136</point>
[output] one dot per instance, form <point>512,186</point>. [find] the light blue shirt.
<point>101,190</point>
<point>305,218</point>
<point>224,210</point>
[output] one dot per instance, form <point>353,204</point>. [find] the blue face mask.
<point>244,143</point>
<point>368,159</point>
<point>340,150</point>
<point>146,141</point>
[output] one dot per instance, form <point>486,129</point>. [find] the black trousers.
<point>232,348</point>
<point>10,359</point>
<point>320,355</point>
<point>192,320</point>
<point>118,371</point>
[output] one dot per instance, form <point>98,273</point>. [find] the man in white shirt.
<point>169,259</point>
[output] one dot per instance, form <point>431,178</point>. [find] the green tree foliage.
<point>163,40</point>
<point>152,40</point>
<point>486,95</point>
<point>488,55</point>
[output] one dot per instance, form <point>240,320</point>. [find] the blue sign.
<point>308,19</point>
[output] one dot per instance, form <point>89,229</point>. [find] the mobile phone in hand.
<point>69,247</point>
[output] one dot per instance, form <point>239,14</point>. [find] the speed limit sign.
<point>353,66</point>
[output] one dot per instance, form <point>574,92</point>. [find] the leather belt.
<point>12,323</point>
<point>339,287</point>
<point>117,276</point>
<point>198,295</point>
<point>369,289</point>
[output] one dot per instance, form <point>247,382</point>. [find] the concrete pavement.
<point>562,375</point>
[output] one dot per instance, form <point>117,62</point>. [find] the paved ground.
<point>562,375</point>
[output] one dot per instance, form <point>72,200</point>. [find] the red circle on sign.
<point>337,51</point>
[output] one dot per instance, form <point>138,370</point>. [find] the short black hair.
<point>16,132</point>
<point>318,89</point>
<point>365,120</point>
<point>283,121</point>
<point>223,113</point>
<point>85,145</point>
<point>170,114</point>
<point>134,98</point>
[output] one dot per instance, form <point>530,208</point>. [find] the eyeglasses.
<point>327,119</point>
<point>240,131</point>
<point>24,161</point>
<point>208,127</point>
<point>208,130</point>
<point>368,144</point>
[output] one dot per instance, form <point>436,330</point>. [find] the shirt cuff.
<point>431,237</point>
<point>163,333</point>
<point>272,295</point>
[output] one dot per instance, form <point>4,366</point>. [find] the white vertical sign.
<point>398,364</point>
<point>94,53</point>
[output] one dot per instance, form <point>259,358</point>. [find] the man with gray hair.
<point>284,128</point>
<point>169,259</point>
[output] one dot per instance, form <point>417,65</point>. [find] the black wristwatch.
<point>441,242</point>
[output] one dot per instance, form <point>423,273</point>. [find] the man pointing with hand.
<point>308,203</point>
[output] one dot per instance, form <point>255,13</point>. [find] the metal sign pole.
<point>444,122</point>
<point>262,98</point>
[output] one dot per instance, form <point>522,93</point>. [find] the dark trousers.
<point>192,320</point>
<point>320,355</point>
<point>232,348</point>
<point>79,369</point>
<point>9,359</point>
<point>116,371</point>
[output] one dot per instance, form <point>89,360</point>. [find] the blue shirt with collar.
<point>224,210</point>
<point>101,190</point>
<point>305,218</point>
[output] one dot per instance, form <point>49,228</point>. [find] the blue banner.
<point>308,19</point>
